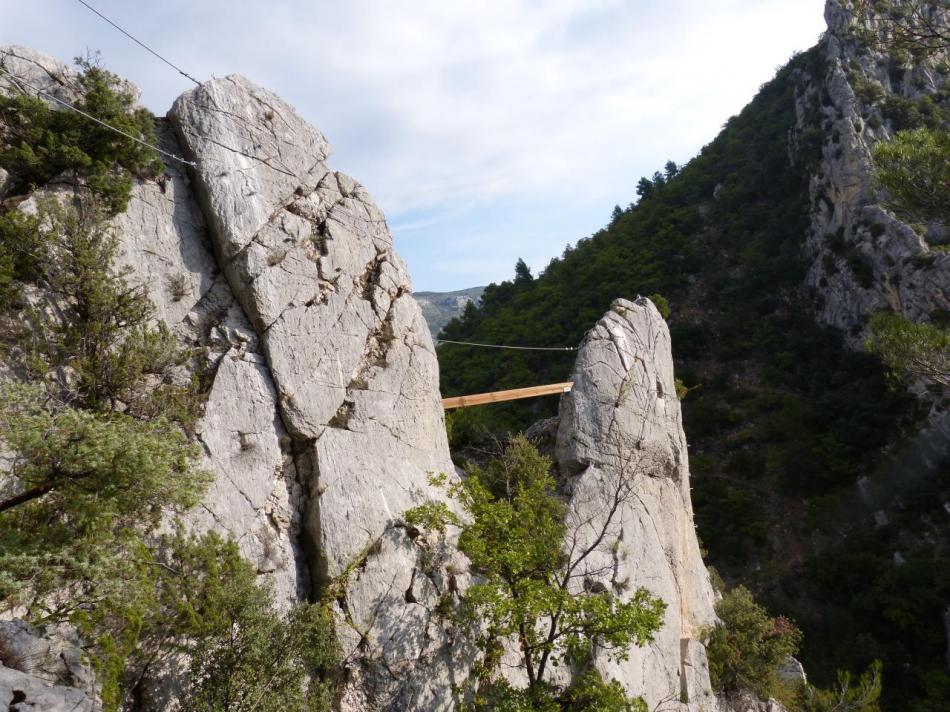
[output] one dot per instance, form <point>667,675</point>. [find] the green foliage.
<point>914,168</point>
<point>513,535</point>
<point>196,596</point>
<point>41,143</point>
<point>101,341</point>
<point>861,695</point>
<point>746,649</point>
<point>918,27</point>
<point>22,254</point>
<point>662,305</point>
<point>921,350</point>
<point>103,332</point>
<point>589,693</point>
<point>87,484</point>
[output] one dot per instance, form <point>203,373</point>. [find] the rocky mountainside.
<point>815,476</point>
<point>439,308</point>
<point>322,417</point>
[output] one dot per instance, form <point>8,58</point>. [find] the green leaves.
<point>196,596</point>
<point>922,350</point>
<point>86,484</point>
<point>527,588</point>
<point>746,649</point>
<point>41,143</point>
<point>914,168</point>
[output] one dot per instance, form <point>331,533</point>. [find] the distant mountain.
<point>439,308</point>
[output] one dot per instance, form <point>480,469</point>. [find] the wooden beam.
<point>499,396</point>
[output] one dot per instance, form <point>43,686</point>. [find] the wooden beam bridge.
<point>500,396</point>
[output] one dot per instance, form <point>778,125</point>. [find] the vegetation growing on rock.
<point>531,590</point>
<point>94,423</point>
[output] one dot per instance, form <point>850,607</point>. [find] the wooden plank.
<point>499,396</point>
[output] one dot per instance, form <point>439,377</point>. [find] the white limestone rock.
<point>32,70</point>
<point>310,258</point>
<point>164,240</point>
<point>43,669</point>
<point>621,430</point>
<point>20,692</point>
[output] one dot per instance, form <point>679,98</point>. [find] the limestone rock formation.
<point>350,371</point>
<point>44,670</point>
<point>864,257</point>
<point>621,443</point>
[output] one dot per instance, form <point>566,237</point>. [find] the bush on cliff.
<point>746,649</point>
<point>530,590</point>
<point>41,143</point>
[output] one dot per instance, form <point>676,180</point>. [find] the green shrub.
<point>88,484</point>
<point>41,143</point>
<point>921,350</point>
<point>745,650</point>
<point>513,534</point>
<point>914,168</point>
<point>662,305</point>
<point>196,596</point>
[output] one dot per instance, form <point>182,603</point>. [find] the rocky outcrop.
<point>44,670</point>
<point>621,444</point>
<point>864,258</point>
<point>348,372</point>
<point>439,308</point>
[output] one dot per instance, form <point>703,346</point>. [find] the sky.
<point>487,130</point>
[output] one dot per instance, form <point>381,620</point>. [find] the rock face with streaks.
<point>621,444</point>
<point>864,257</point>
<point>351,374</point>
<point>44,670</point>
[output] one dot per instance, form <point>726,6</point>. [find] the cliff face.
<point>323,414</point>
<point>620,441</point>
<point>864,258</point>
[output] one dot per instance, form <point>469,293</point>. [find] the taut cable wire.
<point>140,43</point>
<point>515,348</point>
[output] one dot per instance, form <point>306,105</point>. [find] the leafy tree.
<point>644,187</point>
<point>862,695</point>
<point>531,569</point>
<point>662,305</point>
<point>746,649</point>
<point>522,272</point>
<point>40,143</point>
<point>914,168</point>
<point>195,596</point>
<point>102,336</point>
<point>916,26</point>
<point>670,170</point>
<point>22,254</point>
<point>79,486</point>
<point>921,350</point>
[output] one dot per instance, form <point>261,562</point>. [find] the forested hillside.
<point>783,420</point>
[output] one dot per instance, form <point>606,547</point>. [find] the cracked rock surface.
<point>354,374</point>
<point>621,432</point>
<point>42,669</point>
